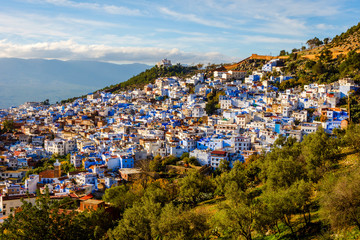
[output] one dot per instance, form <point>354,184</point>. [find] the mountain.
<point>24,80</point>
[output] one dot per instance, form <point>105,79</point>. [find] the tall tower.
<point>57,169</point>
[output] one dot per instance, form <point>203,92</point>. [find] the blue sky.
<point>185,31</point>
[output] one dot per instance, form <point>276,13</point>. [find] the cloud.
<point>33,27</point>
<point>267,39</point>
<point>164,30</point>
<point>70,50</point>
<point>322,26</point>
<point>111,9</point>
<point>288,8</point>
<point>286,17</point>
<point>193,18</point>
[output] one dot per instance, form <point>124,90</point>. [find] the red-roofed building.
<point>217,156</point>
<point>89,196</point>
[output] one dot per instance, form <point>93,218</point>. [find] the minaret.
<point>57,169</point>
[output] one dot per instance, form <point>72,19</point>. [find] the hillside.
<point>340,45</point>
<point>149,76</point>
<point>24,80</point>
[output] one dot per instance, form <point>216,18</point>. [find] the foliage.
<point>149,76</point>
<point>213,101</point>
<point>175,222</point>
<point>194,188</point>
<point>46,220</point>
<point>283,53</point>
<point>191,160</point>
<point>8,126</point>
<point>314,42</point>
<point>340,201</point>
<point>238,216</point>
<point>159,164</point>
<point>119,197</point>
<point>352,137</point>
<point>350,32</point>
<point>281,204</point>
<point>236,175</point>
<point>350,67</point>
<point>320,152</point>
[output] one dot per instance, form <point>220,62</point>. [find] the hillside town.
<point>106,136</point>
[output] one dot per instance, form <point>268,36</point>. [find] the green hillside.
<point>149,76</point>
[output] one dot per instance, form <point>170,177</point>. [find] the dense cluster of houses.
<point>105,134</point>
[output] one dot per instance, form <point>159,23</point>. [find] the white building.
<point>10,203</point>
<point>31,182</point>
<point>242,143</point>
<point>76,160</point>
<point>59,146</point>
<point>202,156</point>
<point>86,178</point>
<point>164,63</point>
<point>217,156</point>
<point>198,111</point>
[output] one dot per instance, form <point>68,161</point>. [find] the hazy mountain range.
<point>23,80</point>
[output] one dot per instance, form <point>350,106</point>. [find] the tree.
<point>318,68</point>
<point>238,215</point>
<point>340,201</point>
<point>282,53</point>
<point>139,221</point>
<point>210,108</point>
<point>199,66</point>
<point>191,160</point>
<point>46,102</point>
<point>237,174</point>
<point>320,152</point>
<point>282,204</point>
<point>175,222</point>
<point>8,126</point>
<point>350,67</point>
<point>284,165</point>
<point>134,225</point>
<point>224,166</point>
<point>315,42</point>
<point>120,197</point>
<point>326,40</point>
<point>352,137</point>
<point>46,220</point>
<point>184,155</point>
<point>212,101</point>
<point>194,188</point>
<point>326,55</point>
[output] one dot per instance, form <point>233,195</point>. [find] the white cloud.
<point>288,8</point>
<point>70,50</point>
<point>32,26</point>
<point>111,9</point>
<point>323,26</point>
<point>286,17</point>
<point>193,18</point>
<point>164,30</point>
<point>265,39</point>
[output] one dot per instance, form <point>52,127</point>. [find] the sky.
<point>186,31</point>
